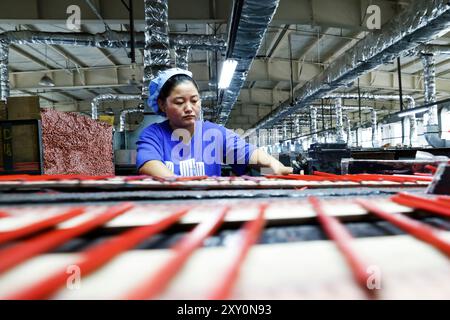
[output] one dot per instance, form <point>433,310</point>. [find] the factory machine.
<point>357,224</point>
<point>318,236</point>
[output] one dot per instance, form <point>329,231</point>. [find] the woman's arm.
<point>156,168</point>
<point>259,159</point>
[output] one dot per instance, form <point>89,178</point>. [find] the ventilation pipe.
<point>156,50</point>
<point>285,134</point>
<point>246,35</point>
<point>297,125</point>
<point>110,40</point>
<point>123,117</point>
<point>431,119</point>
<point>434,49</point>
<point>181,57</point>
<point>4,76</point>
<point>208,95</point>
<point>99,40</point>
<point>313,114</point>
<point>368,96</point>
<point>348,128</point>
<point>109,97</point>
<point>339,121</point>
<point>410,103</point>
<point>429,76</point>
<point>373,121</point>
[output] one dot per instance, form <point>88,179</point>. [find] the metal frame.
<point>8,161</point>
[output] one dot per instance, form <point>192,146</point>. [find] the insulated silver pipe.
<point>182,57</point>
<point>349,130</point>
<point>373,120</point>
<point>313,113</point>
<point>109,97</point>
<point>339,121</point>
<point>110,39</point>
<point>245,40</point>
<point>410,103</point>
<point>431,119</point>
<point>156,50</point>
<point>123,117</point>
<point>429,75</point>
<point>421,21</point>
<point>4,76</point>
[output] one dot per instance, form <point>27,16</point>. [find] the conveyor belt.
<point>88,183</point>
<point>125,246</point>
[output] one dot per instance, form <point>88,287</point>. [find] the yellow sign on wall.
<point>106,118</point>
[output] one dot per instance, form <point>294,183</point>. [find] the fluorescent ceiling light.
<point>411,112</point>
<point>227,73</point>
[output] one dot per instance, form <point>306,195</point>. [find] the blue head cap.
<point>158,82</point>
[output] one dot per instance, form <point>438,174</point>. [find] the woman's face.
<point>182,106</point>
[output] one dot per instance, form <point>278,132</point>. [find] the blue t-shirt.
<point>211,146</point>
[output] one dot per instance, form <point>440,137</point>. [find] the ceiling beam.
<point>440,64</point>
<point>343,46</point>
<point>141,51</point>
<point>407,65</point>
<point>59,50</point>
<point>103,52</point>
<point>275,43</point>
<point>313,43</point>
<point>28,56</point>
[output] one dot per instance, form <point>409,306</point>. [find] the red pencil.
<point>156,283</point>
<point>248,236</point>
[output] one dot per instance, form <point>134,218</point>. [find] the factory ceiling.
<point>304,37</point>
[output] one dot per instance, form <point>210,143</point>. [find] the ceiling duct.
<point>123,117</point>
<point>345,120</point>
<point>313,114</point>
<point>156,50</point>
<point>99,40</point>
<point>182,57</point>
<point>4,76</point>
<point>103,40</point>
<point>431,119</point>
<point>249,24</point>
<point>348,129</point>
<point>430,49</point>
<point>420,22</point>
<point>108,98</point>
<point>208,95</point>
<point>198,42</point>
<point>339,121</point>
<point>410,104</point>
<point>373,121</point>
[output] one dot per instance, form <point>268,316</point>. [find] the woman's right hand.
<point>280,169</point>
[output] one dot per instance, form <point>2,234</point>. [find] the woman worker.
<point>183,145</point>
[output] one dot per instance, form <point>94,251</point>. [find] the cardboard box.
<point>20,108</point>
